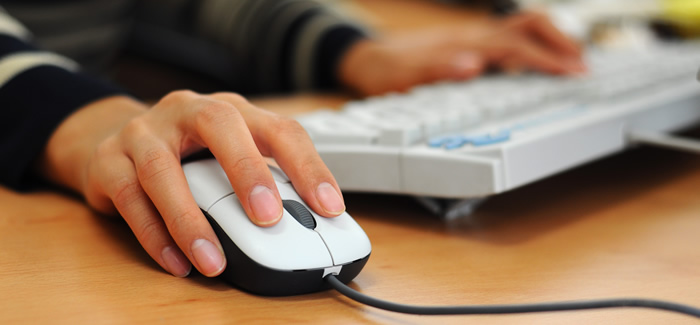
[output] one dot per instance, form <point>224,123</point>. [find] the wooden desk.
<point>625,226</point>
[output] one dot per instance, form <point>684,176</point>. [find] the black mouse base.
<point>246,274</point>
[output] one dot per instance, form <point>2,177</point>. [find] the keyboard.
<point>468,140</point>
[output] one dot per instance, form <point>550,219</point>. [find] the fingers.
<point>148,227</point>
<point>294,152</point>
<point>514,51</point>
<point>523,53</point>
<point>286,141</point>
<point>159,174</point>
<point>542,28</point>
<point>121,184</point>
<point>542,40</point>
<point>220,125</point>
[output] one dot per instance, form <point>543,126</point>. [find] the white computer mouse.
<point>289,258</point>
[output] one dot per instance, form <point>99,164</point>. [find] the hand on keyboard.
<point>523,41</point>
<point>499,132</point>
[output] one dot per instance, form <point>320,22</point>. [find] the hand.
<point>514,43</point>
<point>125,158</point>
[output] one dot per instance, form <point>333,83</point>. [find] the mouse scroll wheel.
<point>300,212</point>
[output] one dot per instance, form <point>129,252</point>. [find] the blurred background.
<point>623,22</point>
<point>601,22</point>
<point>598,23</point>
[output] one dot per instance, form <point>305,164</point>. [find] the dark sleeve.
<point>253,45</point>
<point>37,91</point>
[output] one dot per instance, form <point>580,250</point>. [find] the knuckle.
<point>137,127</point>
<point>124,191</point>
<point>308,165</point>
<point>245,165</point>
<point>155,161</point>
<point>181,224</point>
<point>231,97</point>
<point>183,218</point>
<point>178,96</point>
<point>106,148</point>
<point>149,230</point>
<point>283,126</point>
<point>215,112</point>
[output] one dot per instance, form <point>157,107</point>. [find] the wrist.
<point>66,156</point>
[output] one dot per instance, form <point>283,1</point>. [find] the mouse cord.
<point>507,309</point>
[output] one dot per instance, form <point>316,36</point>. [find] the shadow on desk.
<point>537,209</point>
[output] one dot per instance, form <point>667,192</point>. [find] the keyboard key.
<point>335,129</point>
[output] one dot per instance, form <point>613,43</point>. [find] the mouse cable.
<point>507,309</point>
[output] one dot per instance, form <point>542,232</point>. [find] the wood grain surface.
<point>625,226</point>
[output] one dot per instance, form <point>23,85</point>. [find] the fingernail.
<point>266,208</point>
<point>175,262</point>
<point>329,198</point>
<point>210,259</point>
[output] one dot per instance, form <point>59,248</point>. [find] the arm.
<point>124,157</point>
<point>252,45</point>
<point>37,91</point>
<point>300,45</point>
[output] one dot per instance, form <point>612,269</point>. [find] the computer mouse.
<point>289,258</point>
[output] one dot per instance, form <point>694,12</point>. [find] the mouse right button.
<point>345,239</point>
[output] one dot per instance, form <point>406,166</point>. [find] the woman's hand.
<point>125,158</point>
<point>514,43</point>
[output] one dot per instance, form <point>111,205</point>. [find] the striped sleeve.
<point>289,44</point>
<point>37,91</point>
<point>252,45</point>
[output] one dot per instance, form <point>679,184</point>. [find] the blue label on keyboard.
<point>458,141</point>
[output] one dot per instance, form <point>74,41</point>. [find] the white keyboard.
<point>486,136</point>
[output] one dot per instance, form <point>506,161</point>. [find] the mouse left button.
<point>207,181</point>
<point>278,174</point>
